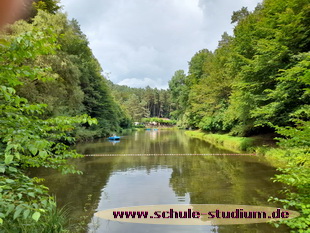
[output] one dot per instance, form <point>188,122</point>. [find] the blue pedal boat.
<point>114,138</point>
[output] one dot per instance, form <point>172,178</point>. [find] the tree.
<point>50,6</point>
<point>151,101</point>
<point>136,108</point>
<point>28,140</point>
<point>78,86</point>
<point>263,47</point>
<point>239,15</point>
<point>196,67</point>
<point>179,93</point>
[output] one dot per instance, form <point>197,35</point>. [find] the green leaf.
<point>2,168</point>
<point>17,155</point>
<point>10,209</point>
<point>44,202</point>
<point>9,181</point>
<point>11,90</point>
<point>42,153</point>
<point>31,194</point>
<point>19,209</point>
<point>33,149</point>
<point>12,169</point>
<point>1,221</point>
<point>8,159</point>
<point>26,213</point>
<point>36,216</point>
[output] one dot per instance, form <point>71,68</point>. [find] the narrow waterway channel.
<point>120,181</point>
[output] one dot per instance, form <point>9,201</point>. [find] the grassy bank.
<point>237,144</point>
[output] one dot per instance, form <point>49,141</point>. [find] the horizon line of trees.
<point>255,79</point>
<point>142,102</point>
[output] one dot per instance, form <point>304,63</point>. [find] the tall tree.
<point>78,86</point>
<point>179,94</point>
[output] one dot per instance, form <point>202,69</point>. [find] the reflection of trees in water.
<point>150,142</point>
<point>201,178</point>
<point>226,180</point>
<point>223,180</point>
<point>206,179</point>
<point>79,193</point>
<point>213,180</point>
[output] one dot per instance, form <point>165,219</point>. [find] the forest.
<point>255,79</point>
<point>257,82</point>
<point>53,94</point>
<point>142,102</point>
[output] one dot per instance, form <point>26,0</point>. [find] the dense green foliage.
<point>142,102</point>
<point>28,138</point>
<point>51,92</point>
<point>253,78</point>
<point>50,6</point>
<point>257,81</point>
<point>50,86</point>
<point>77,86</point>
<point>295,151</point>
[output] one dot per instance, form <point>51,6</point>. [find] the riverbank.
<point>237,144</point>
<point>264,147</point>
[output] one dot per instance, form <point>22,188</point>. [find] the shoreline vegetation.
<point>236,144</point>
<point>270,150</point>
<point>263,69</point>
<point>256,82</point>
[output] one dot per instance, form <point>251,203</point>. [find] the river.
<point>123,181</point>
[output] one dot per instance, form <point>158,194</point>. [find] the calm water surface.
<point>120,181</point>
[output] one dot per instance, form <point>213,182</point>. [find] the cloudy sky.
<point>143,42</point>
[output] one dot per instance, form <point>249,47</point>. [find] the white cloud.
<point>134,82</point>
<point>135,39</point>
<point>217,17</point>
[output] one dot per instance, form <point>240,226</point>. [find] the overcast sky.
<point>143,42</point>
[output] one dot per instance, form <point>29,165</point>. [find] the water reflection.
<point>111,182</point>
<point>113,142</point>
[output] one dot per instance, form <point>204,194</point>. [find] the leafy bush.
<point>296,153</point>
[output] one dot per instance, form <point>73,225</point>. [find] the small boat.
<point>114,138</point>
